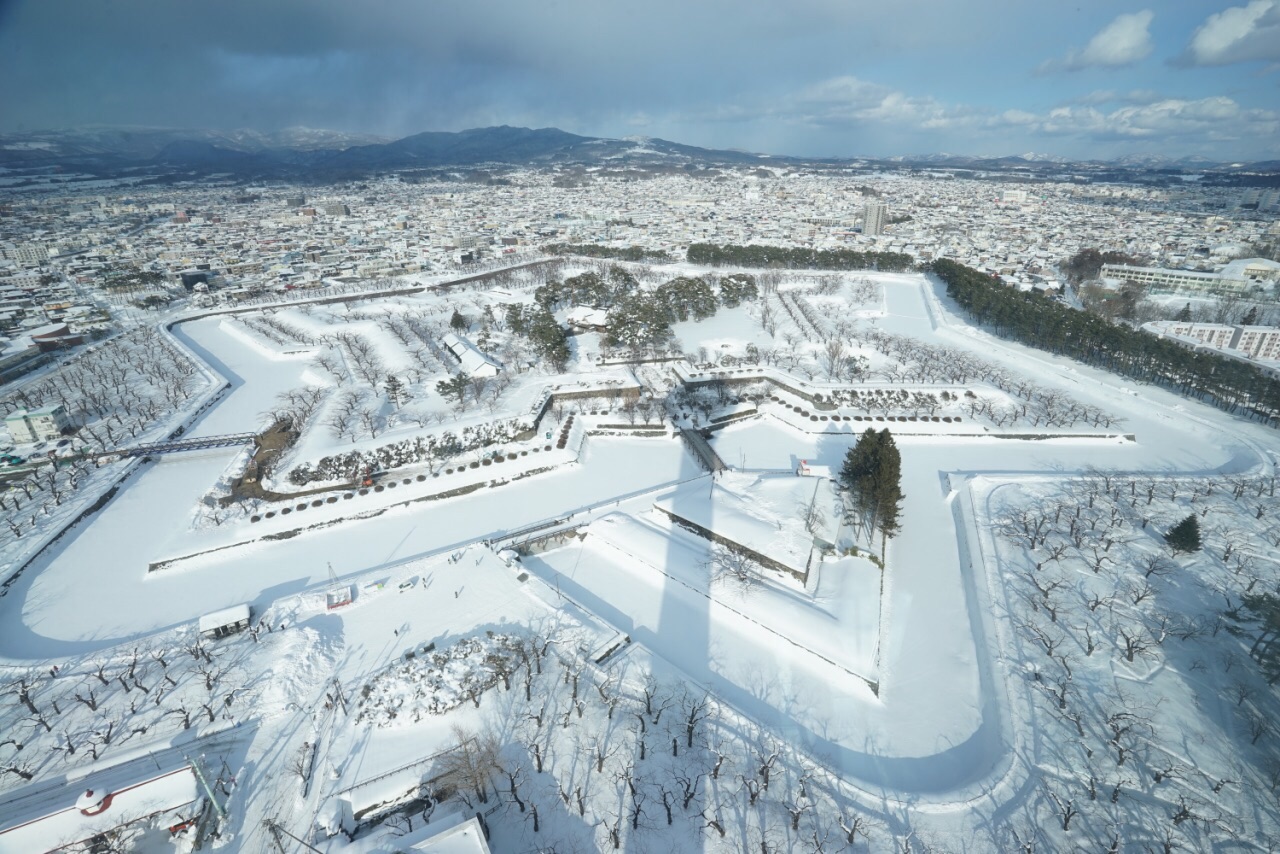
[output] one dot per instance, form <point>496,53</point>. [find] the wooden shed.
<point>228,621</point>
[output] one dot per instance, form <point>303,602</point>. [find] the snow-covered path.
<point>939,722</point>
<point>96,592</point>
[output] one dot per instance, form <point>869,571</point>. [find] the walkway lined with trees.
<point>1232,385</point>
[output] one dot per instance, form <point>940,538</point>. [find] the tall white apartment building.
<point>875,215</point>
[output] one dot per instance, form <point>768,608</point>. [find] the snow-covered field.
<point>946,699</point>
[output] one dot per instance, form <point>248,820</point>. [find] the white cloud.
<point>1170,120</point>
<point>1237,34</point>
<point>849,100</point>
<point>1122,42</point>
<point>853,113</point>
<point>1111,96</point>
<point>849,105</point>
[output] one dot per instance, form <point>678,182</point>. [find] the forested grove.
<point>617,253</point>
<point>798,258</point>
<point>637,318</point>
<point>1029,318</point>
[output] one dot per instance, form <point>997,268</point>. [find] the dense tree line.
<point>736,289</point>
<point>797,258</point>
<point>1029,318</point>
<point>616,253</point>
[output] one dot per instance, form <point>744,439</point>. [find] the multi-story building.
<point>1255,342</point>
<point>1175,281</point>
<point>1214,334</point>
<point>27,254</point>
<point>37,425</point>
<point>874,217</point>
<point>1235,278</point>
<point>1261,199</point>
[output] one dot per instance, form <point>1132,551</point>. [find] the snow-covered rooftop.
<point>224,617</point>
<point>464,838</point>
<point>102,812</point>
<point>472,360</point>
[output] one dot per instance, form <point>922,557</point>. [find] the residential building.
<point>1214,334</point>
<point>1261,343</point>
<point>1257,342</point>
<point>28,254</point>
<point>875,215</point>
<point>37,425</point>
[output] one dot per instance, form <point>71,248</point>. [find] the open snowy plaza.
<point>607,594</point>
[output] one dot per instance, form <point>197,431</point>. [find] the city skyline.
<point>815,79</point>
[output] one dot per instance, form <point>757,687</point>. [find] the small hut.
<point>228,621</point>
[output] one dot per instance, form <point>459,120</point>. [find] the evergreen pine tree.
<point>1250,317</point>
<point>456,385</point>
<point>1185,536</point>
<point>1184,315</point>
<point>888,496</point>
<point>395,390</point>
<point>459,321</point>
<point>856,473</point>
<point>872,473</point>
<point>517,320</point>
<point>548,339</point>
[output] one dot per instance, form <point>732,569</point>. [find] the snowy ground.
<point>905,698</point>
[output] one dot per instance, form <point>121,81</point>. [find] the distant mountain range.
<point>1134,161</point>
<point>327,152</point>
<point>297,152</point>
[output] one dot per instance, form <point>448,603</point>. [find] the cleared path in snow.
<point>937,722</point>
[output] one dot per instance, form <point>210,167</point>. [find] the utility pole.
<point>275,835</point>
<point>337,690</point>
<point>276,830</point>
<point>204,784</point>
